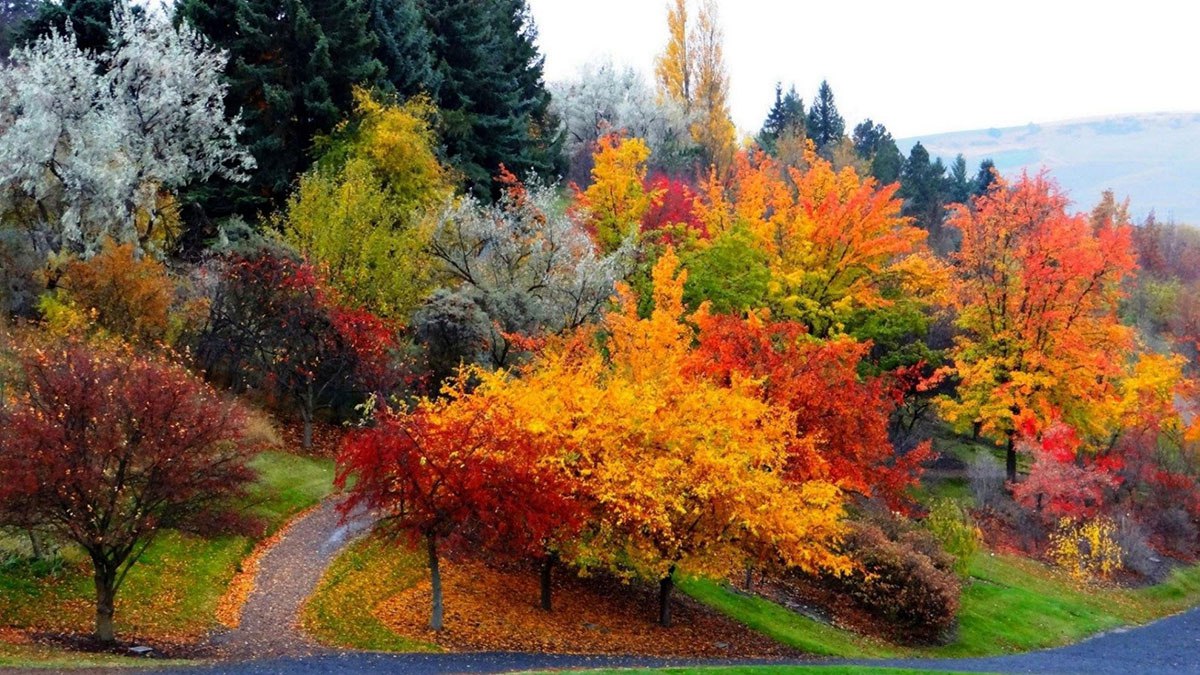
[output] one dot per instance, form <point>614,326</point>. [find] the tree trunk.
<point>665,586</point>
<point>1011,459</point>
<point>547,569</point>
<point>749,578</point>
<point>435,581</point>
<point>105,595</point>
<point>35,545</point>
<point>307,413</point>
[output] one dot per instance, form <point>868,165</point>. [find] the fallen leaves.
<point>490,609</point>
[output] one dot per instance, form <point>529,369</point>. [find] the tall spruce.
<point>491,90</point>
<point>292,69</point>
<point>985,178</point>
<point>15,15</point>
<point>923,187</point>
<point>825,126</point>
<point>402,45</point>
<point>88,19</point>
<point>786,117</point>
<point>874,143</point>
<point>959,184</point>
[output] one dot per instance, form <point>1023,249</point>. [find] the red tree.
<point>459,473</point>
<point>672,214</point>
<point>106,448</point>
<point>841,418</point>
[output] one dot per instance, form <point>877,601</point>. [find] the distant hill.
<point>1153,159</point>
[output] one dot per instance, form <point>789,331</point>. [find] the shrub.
<point>954,529</point>
<point>907,582</point>
<point>125,294</point>
<point>1137,554</point>
<point>1086,549</point>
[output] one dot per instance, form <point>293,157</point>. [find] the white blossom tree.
<point>523,266</point>
<point>606,98</point>
<point>91,143</point>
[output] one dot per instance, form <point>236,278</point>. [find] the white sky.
<point>917,66</point>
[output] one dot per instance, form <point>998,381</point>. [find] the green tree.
<point>985,177</point>
<point>825,126</point>
<point>786,117</point>
<point>362,213</point>
<point>292,69</point>
<point>874,144</point>
<point>731,274</point>
<point>959,185</point>
<point>15,16</point>
<point>402,45</point>
<point>491,90</point>
<point>89,19</point>
<point>923,187</point>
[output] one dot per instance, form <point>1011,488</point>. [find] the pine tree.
<point>89,19</point>
<point>786,117</point>
<point>491,90</point>
<point>292,69</point>
<point>985,177</point>
<point>923,186</point>
<point>403,45</point>
<point>958,184</point>
<point>874,143</point>
<point>825,126</point>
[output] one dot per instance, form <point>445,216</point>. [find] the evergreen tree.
<point>985,177</point>
<point>923,187</point>
<point>786,117</point>
<point>89,19</point>
<point>825,126</point>
<point>292,69</point>
<point>491,90</point>
<point>15,15</point>
<point>874,143</point>
<point>402,45</point>
<point>959,185</point>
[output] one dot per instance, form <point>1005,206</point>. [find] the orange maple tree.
<point>1037,291</point>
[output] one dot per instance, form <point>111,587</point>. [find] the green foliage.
<point>361,214</point>
<point>88,19</point>
<point>730,273</point>
<point>292,69</point>
<point>954,529</point>
<point>898,333</point>
<point>402,45</point>
<point>825,125</point>
<point>786,117</point>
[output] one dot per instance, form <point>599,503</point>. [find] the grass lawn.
<point>1012,604</point>
<point>366,574</point>
<point>171,595</point>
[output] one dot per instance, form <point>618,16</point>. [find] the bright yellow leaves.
<point>617,199</point>
<point>682,471</point>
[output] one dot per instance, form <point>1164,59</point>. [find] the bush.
<point>907,582</point>
<point>123,293</point>
<point>954,529</point>
<point>1138,556</point>
<point>1086,549</point>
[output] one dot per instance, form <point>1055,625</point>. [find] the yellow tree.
<point>617,199</point>
<point>361,212</point>
<point>713,129</point>
<point>673,68</point>
<point>683,472</point>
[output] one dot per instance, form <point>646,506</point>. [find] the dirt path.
<point>288,574</point>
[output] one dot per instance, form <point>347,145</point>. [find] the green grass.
<point>36,656</point>
<point>172,593</point>
<point>369,572</point>
<point>1011,604</point>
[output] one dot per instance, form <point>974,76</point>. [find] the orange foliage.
<point>129,295</point>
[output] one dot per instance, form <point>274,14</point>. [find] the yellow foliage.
<point>1086,550</point>
<point>617,199</point>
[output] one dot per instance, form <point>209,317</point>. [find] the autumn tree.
<point>364,213</point>
<point>834,242</point>
<point>124,293</point>
<point>617,199</point>
<point>1036,291</point>
<point>685,473</point>
<point>841,419</point>
<point>107,448</point>
<point>458,472</point>
<point>275,325</point>
<point>673,68</point>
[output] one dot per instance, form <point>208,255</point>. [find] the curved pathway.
<point>268,639</point>
<point>288,573</point>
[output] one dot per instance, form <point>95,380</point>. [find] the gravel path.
<point>288,574</point>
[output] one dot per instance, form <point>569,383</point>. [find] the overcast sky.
<point>921,66</point>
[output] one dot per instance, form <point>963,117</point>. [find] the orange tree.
<point>682,471</point>
<point>1036,291</point>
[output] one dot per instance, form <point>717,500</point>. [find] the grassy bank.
<point>171,595</point>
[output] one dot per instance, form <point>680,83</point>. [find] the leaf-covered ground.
<point>379,589</point>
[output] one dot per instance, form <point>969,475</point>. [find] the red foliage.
<point>106,447</point>
<point>1064,483</point>
<point>841,418</point>
<point>672,214</point>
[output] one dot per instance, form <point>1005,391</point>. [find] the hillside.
<point>1154,159</point>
